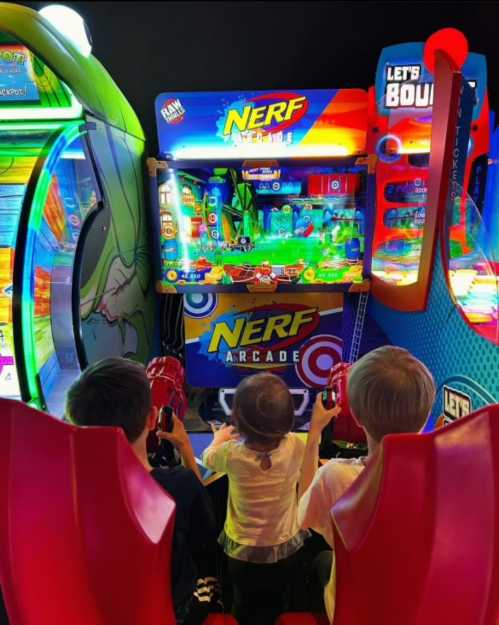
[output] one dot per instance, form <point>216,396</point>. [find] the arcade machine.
<point>434,267</point>
<point>262,209</point>
<point>280,195</point>
<point>74,262</point>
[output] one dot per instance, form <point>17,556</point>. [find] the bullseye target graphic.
<point>316,358</point>
<point>199,305</point>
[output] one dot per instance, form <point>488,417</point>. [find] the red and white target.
<point>316,357</point>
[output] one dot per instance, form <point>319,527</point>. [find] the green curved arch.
<point>88,80</point>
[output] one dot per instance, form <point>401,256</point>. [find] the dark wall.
<point>150,47</point>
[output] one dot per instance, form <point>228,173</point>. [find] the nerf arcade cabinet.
<point>263,219</point>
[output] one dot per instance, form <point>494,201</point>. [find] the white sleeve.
<point>315,505</point>
<point>216,457</point>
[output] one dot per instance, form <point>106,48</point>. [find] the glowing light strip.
<point>422,149</point>
<point>68,134</point>
<point>73,155</point>
<point>28,126</point>
<point>269,150</point>
<point>21,152</point>
<point>178,215</point>
<point>59,112</point>
<point>330,311</point>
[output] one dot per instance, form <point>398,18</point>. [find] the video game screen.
<point>11,200</point>
<point>401,203</point>
<point>71,197</point>
<point>17,78</point>
<point>271,226</point>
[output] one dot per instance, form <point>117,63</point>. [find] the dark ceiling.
<point>150,47</point>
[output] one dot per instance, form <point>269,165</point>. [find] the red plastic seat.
<point>301,618</point>
<point>417,535</point>
<point>220,619</point>
<point>85,533</point>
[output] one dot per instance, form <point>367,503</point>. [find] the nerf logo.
<point>244,332</point>
<point>285,110</point>
<point>172,111</point>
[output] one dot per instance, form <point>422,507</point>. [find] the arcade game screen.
<point>399,234</point>
<point>71,196</point>
<point>472,270</point>
<point>19,149</point>
<point>290,226</point>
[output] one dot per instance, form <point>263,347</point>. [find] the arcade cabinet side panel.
<point>462,362</point>
<point>117,299</point>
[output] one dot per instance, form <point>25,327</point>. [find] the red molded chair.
<point>219,619</point>
<point>85,533</point>
<point>417,535</point>
<point>302,618</point>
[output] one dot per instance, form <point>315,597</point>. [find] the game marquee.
<point>229,336</point>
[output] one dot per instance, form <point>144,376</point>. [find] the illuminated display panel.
<point>402,197</point>
<point>404,124</point>
<point>281,227</point>
<point>17,78</point>
<point>400,135</point>
<point>473,275</point>
<point>29,90</point>
<point>57,217</point>
<point>303,123</point>
<point>19,151</point>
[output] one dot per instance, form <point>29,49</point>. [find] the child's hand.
<point>320,416</point>
<point>224,433</point>
<point>178,437</point>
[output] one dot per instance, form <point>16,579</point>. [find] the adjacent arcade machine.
<point>436,236</point>
<point>263,219</point>
<point>74,252</point>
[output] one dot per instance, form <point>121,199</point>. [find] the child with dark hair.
<point>262,460</point>
<point>115,392</point>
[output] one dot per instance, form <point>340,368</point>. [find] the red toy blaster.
<point>166,378</point>
<point>336,394</point>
